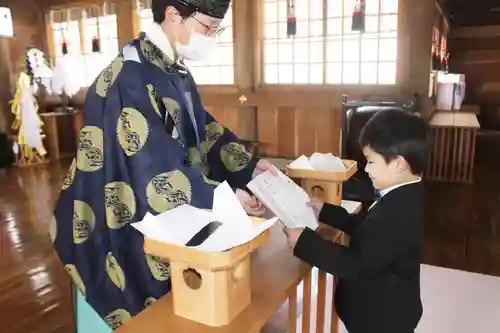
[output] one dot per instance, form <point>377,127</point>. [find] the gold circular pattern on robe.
<point>115,272</point>
<point>210,181</point>
<point>83,221</point>
<point>120,203</point>
<point>75,277</point>
<point>149,301</point>
<point>90,156</point>
<point>153,97</point>
<point>154,55</point>
<point>70,176</point>
<point>117,318</point>
<point>108,76</point>
<point>159,268</point>
<point>132,130</point>
<point>213,132</point>
<point>168,190</point>
<point>53,229</point>
<point>173,109</point>
<point>195,160</point>
<point>234,156</point>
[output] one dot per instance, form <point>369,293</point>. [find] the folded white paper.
<point>181,225</point>
<point>284,198</point>
<point>319,162</point>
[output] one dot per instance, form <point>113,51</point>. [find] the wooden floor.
<point>463,232</point>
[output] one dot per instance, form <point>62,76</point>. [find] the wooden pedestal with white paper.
<point>208,288</point>
<point>326,186</point>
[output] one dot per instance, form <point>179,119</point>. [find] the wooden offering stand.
<point>208,288</point>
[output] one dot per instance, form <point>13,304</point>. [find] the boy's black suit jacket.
<point>379,273</point>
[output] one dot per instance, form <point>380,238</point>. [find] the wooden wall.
<point>476,53</point>
<point>292,120</point>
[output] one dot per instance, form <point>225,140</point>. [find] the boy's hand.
<point>316,205</point>
<point>293,235</point>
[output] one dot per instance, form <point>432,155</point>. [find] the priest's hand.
<point>316,205</point>
<point>263,166</point>
<point>292,235</point>
<point>251,205</point>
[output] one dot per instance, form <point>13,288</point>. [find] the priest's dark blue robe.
<point>147,145</point>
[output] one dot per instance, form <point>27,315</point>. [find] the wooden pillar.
<point>127,19</point>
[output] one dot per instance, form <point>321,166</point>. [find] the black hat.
<point>213,8</point>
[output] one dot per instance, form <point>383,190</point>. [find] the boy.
<point>379,273</point>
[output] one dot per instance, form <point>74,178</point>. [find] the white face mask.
<point>198,47</point>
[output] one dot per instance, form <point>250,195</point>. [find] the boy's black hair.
<point>394,133</point>
<point>158,8</point>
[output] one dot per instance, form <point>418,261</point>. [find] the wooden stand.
<point>208,288</point>
<point>324,184</point>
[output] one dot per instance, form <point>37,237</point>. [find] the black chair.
<point>355,114</point>
<point>6,153</point>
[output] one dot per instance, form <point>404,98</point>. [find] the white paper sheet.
<point>177,226</point>
<point>319,162</point>
<point>284,198</point>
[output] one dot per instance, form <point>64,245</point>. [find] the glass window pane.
<point>334,73</point>
<point>334,50</point>
<point>389,6</point>
<point>316,10</point>
<point>282,11</point>
<point>351,49</point>
<point>316,52</point>
<point>226,36</point>
<point>316,73</point>
<point>285,52</point>
<point>301,74</point>
<point>388,23</point>
<point>227,74</point>
<point>348,7</point>
<point>334,26</point>
<point>388,49</point>
<point>350,73</point>
<point>301,52</point>
<point>301,9</point>
<point>371,7</point>
<point>271,53</point>
<point>369,73</point>
<point>348,26</point>
<point>316,28</point>
<point>371,24</point>
<point>387,73</point>
<point>215,75</point>
<point>302,29</point>
<point>270,30</point>
<point>369,49</point>
<point>285,74</point>
<point>271,73</point>
<point>270,12</point>
<point>335,9</point>
<point>225,55</point>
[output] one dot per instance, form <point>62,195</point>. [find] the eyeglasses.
<point>211,31</point>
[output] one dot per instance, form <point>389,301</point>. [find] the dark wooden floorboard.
<point>462,231</point>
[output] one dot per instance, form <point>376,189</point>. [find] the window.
<point>77,27</point>
<point>325,49</point>
<point>218,67</point>
<point>101,23</point>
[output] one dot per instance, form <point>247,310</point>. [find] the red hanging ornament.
<point>358,16</point>
<point>64,47</point>
<point>291,19</point>
<point>96,47</point>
